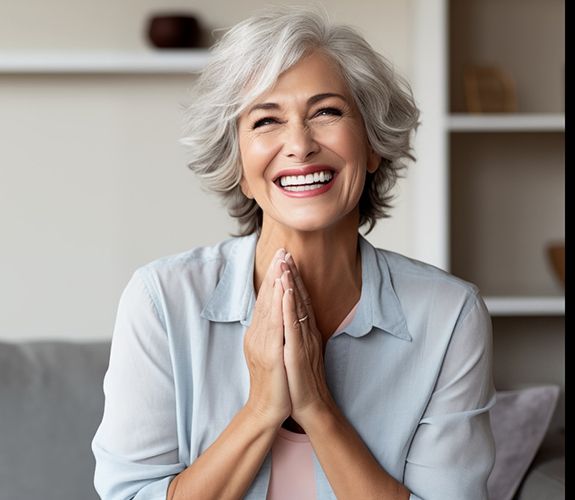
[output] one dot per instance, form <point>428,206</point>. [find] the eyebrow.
<point>310,102</point>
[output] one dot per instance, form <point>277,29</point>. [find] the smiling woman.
<point>296,360</point>
<point>245,66</point>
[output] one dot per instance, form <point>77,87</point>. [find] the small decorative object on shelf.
<point>556,255</point>
<point>489,89</point>
<point>174,31</point>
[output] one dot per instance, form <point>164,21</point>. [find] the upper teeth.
<point>299,180</point>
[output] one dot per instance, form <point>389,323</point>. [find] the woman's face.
<point>304,149</point>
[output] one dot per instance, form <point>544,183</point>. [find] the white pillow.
<point>519,421</point>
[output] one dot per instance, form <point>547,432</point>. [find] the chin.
<point>309,220</point>
<point>309,225</point>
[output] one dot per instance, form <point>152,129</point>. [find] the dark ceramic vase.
<point>174,31</point>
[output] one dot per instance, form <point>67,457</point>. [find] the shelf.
<point>163,62</point>
<point>526,306</point>
<point>517,122</point>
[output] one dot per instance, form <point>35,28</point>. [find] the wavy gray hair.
<point>247,61</point>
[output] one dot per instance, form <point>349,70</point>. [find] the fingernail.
<point>287,256</point>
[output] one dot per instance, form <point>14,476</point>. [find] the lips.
<point>316,180</point>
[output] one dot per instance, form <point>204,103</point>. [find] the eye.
<point>329,111</point>
<point>262,122</point>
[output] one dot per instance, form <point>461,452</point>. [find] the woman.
<point>296,360</point>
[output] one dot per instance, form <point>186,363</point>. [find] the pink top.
<point>292,474</point>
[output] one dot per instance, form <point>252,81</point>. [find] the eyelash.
<point>263,121</point>
<point>270,119</point>
<point>331,110</point>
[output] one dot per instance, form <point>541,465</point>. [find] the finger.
<point>264,295</point>
<point>300,308</point>
<point>300,288</point>
<point>275,265</point>
<point>276,316</point>
<point>292,327</point>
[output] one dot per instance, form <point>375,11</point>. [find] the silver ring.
<point>303,319</point>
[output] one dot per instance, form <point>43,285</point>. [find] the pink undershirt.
<point>292,474</point>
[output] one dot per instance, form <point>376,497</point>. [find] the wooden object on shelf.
<point>489,89</point>
<point>556,254</point>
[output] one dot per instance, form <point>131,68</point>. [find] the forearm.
<point>227,468</point>
<point>351,469</point>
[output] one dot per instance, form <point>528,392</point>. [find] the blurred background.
<point>93,182</point>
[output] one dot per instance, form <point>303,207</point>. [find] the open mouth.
<point>309,182</point>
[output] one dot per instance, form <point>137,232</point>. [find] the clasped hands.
<point>284,349</point>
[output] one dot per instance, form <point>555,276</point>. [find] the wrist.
<point>317,416</point>
<point>262,418</point>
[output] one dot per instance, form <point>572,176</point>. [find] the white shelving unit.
<point>448,135</point>
<point>161,62</point>
<point>489,188</point>
<point>525,122</point>
<point>526,306</point>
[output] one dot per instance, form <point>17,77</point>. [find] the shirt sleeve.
<point>136,445</point>
<point>453,451</point>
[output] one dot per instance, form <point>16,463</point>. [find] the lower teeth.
<point>307,187</point>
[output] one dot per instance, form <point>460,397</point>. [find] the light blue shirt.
<point>411,373</point>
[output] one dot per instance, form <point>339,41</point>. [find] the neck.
<point>328,261</point>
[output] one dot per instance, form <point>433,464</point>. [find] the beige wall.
<point>92,180</point>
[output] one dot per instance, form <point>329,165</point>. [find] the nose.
<point>300,143</point>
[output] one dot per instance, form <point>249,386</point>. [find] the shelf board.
<point>161,61</point>
<point>516,122</point>
<point>525,306</point>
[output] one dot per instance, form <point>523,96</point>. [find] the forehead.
<point>315,74</point>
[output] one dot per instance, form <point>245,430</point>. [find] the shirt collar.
<point>379,305</point>
<point>234,297</point>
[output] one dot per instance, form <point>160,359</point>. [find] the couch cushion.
<point>51,403</point>
<point>545,481</point>
<point>519,420</point>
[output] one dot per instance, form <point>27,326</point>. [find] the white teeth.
<point>306,180</point>
<point>306,187</point>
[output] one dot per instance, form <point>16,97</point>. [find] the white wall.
<point>92,180</point>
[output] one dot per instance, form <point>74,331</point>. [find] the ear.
<point>373,161</point>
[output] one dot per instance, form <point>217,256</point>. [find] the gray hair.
<point>248,60</point>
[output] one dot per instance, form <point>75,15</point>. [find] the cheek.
<point>347,141</point>
<point>256,153</point>
<point>245,186</point>
<point>255,156</point>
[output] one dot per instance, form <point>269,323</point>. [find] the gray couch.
<point>51,403</point>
